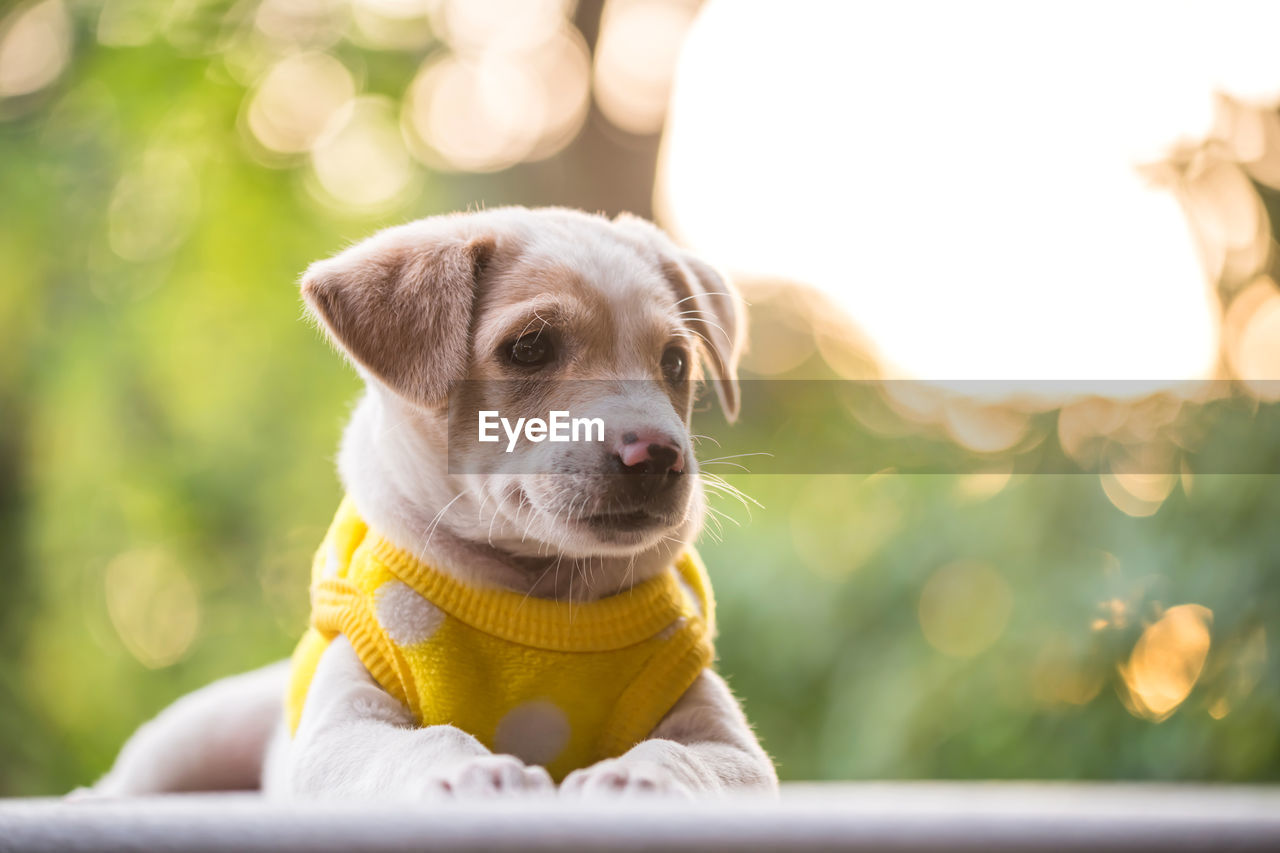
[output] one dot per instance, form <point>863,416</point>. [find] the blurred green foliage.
<point>168,423</point>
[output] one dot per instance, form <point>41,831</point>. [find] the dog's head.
<point>521,312</point>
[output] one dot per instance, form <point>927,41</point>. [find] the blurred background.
<point>912,192</point>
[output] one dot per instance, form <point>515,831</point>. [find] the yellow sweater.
<point>555,684</point>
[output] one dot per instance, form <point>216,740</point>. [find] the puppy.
<point>485,624</point>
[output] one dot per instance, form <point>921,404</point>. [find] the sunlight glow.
<point>963,180</point>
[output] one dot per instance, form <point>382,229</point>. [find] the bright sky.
<point>960,176</point>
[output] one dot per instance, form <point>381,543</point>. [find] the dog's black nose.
<point>649,452</point>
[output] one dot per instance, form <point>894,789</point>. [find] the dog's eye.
<point>532,350</point>
<point>674,364</point>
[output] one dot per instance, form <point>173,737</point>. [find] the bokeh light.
<point>1256,355</point>
<point>984,485</point>
<point>153,604</point>
<point>306,23</point>
<point>984,429</point>
<point>35,44</point>
<point>828,544</point>
<point>393,24</point>
<point>473,116</point>
<point>636,59</point>
<point>360,160</point>
<point>782,346</point>
<point>964,608</point>
<point>490,110</point>
<point>153,206</point>
<point>1167,661</point>
<point>505,25</point>
<point>297,99</point>
<point>126,23</point>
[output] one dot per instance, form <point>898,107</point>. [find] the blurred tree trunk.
<point>604,169</point>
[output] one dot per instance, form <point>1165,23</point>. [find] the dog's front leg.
<point>703,745</point>
<point>355,740</point>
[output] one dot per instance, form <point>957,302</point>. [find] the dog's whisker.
<point>715,481</point>
<point>386,431</point>
<point>701,337</point>
<point>727,460</point>
<point>587,575</point>
<point>736,456</point>
<point>696,312</point>
<point>484,501</point>
<point>628,579</point>
<point>493,520</point>
<point>743,468</point>
<point>717,514</point>
<point>712,523</point>
<point>430,529</point>
<point>713,293</point>
<point>526,503</point>
<point>572,572</point>
<point>714,516</point>
<point>741,499</point>
<point>538,318</point>
<point>713,324</point>
<point>700,437</point>
<point>534,586</point>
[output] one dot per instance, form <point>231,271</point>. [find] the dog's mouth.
<point>635,520</point>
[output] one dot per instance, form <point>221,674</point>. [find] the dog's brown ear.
<point>399,305</point>
<point>709,304</point>
<point>719,322</point>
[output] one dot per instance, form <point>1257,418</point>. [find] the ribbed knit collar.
<point>614,622</point>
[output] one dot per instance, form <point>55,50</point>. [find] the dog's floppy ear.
<point>709,303</point>
<point>720,323</point>
<point>399,305</point>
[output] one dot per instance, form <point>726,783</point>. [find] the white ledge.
<point>908,816</point>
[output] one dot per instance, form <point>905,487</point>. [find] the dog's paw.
<point>492,775</point>
<point>619,777</point>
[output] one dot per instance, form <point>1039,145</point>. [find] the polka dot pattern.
<point>690,594</point>
<point>332,562</point>
<point>407,617</point>
<point>536,732</point>
<point>670,631</point>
